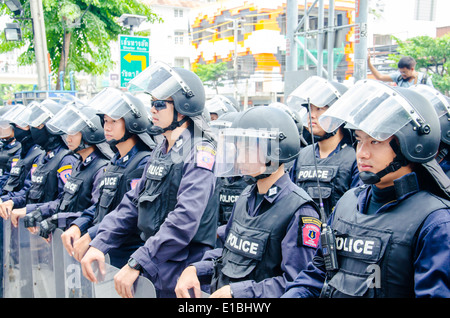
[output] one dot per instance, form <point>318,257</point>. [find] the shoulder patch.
<point>133,183</point>
<point>65,172</point>
<point>309,231</point>
<point>205,157</point>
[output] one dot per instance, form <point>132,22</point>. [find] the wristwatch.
<point>134,264</point>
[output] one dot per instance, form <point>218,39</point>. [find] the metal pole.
<point>305,48</point>
<point>291,23</point>
<point>330,40</point>
<point>320,39</point>
<point>40,43</point>
<point>360,62</point>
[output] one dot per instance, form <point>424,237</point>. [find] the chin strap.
<point>155,130</point>
<point>398,162</point>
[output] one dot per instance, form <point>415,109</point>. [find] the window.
<point>179,62</point>
<point>178,13</point>
<point>425,10</point>
<point>178,37</point>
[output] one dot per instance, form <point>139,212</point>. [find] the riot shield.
<point>75,284</point>
<point>104,288</point>
<point>11,269</point>
<point>42,267</point>
<point>25,252</point>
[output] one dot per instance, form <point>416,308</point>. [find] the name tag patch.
<point>325,174</point>
<point>244,245</point>
<point>367,248</point>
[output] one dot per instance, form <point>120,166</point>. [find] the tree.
<point>79,33</point>
<point>212,74</point>
<point>431,54</point>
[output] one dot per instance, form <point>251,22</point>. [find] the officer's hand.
<point>6,208</point>
<point>124,280</point>
<point>69,237</point>
<point>224,292</point>
<point>188,280</point>
<point>93,255</point>
<point>81,246</point>
<point>16,214</point>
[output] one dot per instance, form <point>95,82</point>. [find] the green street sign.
<point>134,56</point>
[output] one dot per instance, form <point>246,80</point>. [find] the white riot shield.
<point>75,284</point>
<point>11,269</point>
<point>42,267</point>
<point>25,253</point>
<point>104,288</point>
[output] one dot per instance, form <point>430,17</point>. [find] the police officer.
<point>83,134</point>
<point>125,121</point>
<point>392,233</point>
<point>29,152</point>
<point>274,227</point>
<point>228,189</point>
<point>10,148</point>
<point>167,206</point>
<point>219,105</point>
<point>441,104</point>
<point>332,152</point>
<point>47,180</point>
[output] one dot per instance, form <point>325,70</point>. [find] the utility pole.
<point>291,24</point>
<point>40,43</point>
<point>360,62</point>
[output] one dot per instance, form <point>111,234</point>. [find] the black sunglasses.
<point>160,104</point>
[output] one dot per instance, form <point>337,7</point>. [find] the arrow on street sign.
<point>140,58</point>
<point>134,56</point>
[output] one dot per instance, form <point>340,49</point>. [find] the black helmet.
<point>286,135</point>
<point>441,104</point>
<point>220,105</point>
<point>382,111</point>
<point>78,118</point>
<point>258,137</point>
<point>318,91</point>
<point>162,81</point>
<point>224,121</point>
<point>295,116</point>
<point>117,104</point>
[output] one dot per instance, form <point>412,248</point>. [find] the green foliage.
<point>432,56</point>
<point>92,25</point>
<point>212,74</point>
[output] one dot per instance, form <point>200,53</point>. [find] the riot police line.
<point>131,209</point>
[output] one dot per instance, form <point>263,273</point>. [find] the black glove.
<point>47,226</point>
<point>31,219</point>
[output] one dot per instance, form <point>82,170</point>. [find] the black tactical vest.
<point>375,252</point>
<point>334,173</point>
<point>116,182</point>
<point>19,172</point>
<point>163,177</point>
<point>6,156</point>
<point>44,181</point>
<point>78,189</point>
<point>252,249</point>
<point>229,191</point>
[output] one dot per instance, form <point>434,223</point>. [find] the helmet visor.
<point>5,128</point>
<point>111,102</point>
<point>243,151</point>
<point>13,115</point>
<point>372,107</point>
<point>158,80</point>
<point>440,103</point>
<point>39,113</point>
<point>218,105</point>
<point>71,120</point>
<point>318,90</point>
